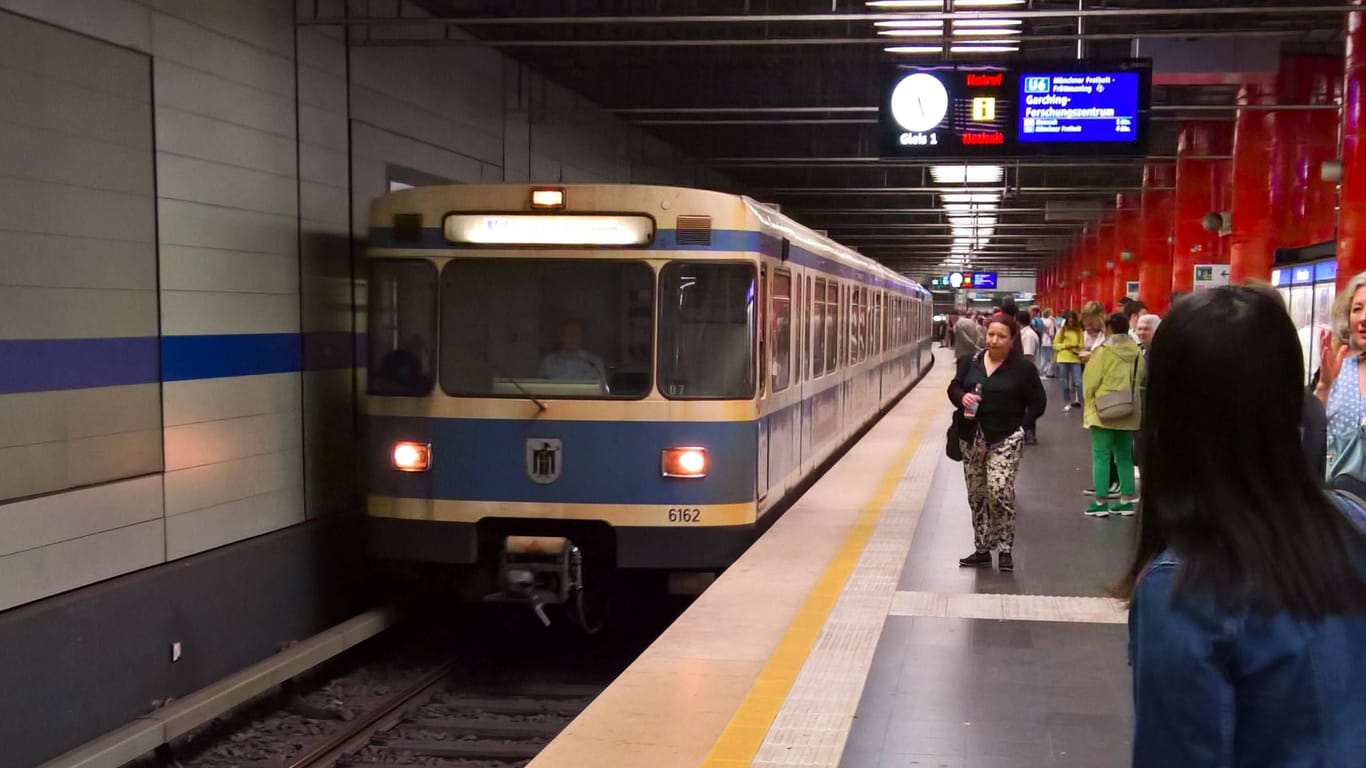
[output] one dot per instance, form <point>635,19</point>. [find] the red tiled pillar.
<point>1155,241</point>
<point>1105,262</point>
<point>1089,277</point>
<point>1304,204</point>
<point>1352,218</point>
<point>1128,236</point>
<point>1199,188</point>
<point>1255,176</point>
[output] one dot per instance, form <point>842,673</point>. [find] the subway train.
<point>568,382</point>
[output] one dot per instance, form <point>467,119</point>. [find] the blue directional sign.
<point>1075,107</point>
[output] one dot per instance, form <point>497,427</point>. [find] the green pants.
<point>1106,443</point>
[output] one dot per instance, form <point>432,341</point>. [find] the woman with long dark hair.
<point>1247,615</point>
<point>999,397</point>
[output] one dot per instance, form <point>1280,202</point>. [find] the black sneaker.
<point>1005,562</point>
<point>976,560</point>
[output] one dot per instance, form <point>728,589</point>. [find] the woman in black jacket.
<point>999,397</point>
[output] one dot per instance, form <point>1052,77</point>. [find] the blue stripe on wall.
<point>219,355</point>
<point>44,365</point>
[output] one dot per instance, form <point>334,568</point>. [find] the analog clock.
<point>920,102</point>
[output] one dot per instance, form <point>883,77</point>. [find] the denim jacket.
<point>1237,688</point>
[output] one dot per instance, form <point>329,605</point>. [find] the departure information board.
<point>1063,109</point>
<point>1079,106</point>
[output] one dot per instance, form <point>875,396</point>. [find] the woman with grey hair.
<point>1342,388</point>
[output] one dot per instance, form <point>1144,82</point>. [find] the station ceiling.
<point>782,95</point>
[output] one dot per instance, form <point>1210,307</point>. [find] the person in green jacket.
<point>1115,366</point>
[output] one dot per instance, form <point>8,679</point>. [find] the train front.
<point>558,389</point>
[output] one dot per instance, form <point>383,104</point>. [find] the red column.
<point>1127,238</point>
<point>1086,285</point>
<point>1105,262</point>
<point>1352,219</point>
<point>1159,207</point>
<point>1305,205</point>
<point>1199,188</point>
<point>1255,177</point>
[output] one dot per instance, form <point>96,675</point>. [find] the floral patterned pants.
<point>990,474</point>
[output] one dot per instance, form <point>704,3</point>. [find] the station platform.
<point>848,635</point>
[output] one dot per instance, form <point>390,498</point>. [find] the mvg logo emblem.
<point>1037,84</point>
<point>544,460</point>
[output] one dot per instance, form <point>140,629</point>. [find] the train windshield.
<point>567,328</point>
<point>402,328</point>
<point>706,331</point>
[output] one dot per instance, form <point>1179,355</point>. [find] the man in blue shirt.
<point>571,361</point>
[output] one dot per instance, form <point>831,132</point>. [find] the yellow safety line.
<point>745,732</point>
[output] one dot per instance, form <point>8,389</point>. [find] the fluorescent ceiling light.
<point>973,47</point>
<point>992,32</point>
<point>931,4</point>
<point>914,24</point>
<point>967,174</point>
<point>976,22</point>
<point>914,49</point>
<point>979,197</point>
<point>983,3</point>
<point>911,32</point>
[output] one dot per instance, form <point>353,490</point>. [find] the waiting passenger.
<point>571,361</point>
<point>1112,415</point>
<point>1339,388</point>
<point>1247,610</point>
<point>999,397</point>
<point>1067,346</point>
<point>967,338</point>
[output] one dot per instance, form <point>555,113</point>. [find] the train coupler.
<point>538,571</point>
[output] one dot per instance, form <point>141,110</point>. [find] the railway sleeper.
<point>468,749</point>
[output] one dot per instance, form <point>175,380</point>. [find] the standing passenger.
<point>998,396</point>
<point>1247,610</point>
<point>1340,386</point>
<point>1067,346</point>
<point>1115,368</point>
<point>967,338</point>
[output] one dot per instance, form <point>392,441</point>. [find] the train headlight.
<point>412,457</point>
<point>547,198</point>
<point>685,462</point>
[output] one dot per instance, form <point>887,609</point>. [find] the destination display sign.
<point>1079,106</point>
<point>1065,109</point>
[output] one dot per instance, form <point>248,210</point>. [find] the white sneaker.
<point>1067,408</point>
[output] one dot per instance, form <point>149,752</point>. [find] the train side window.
<point>818,330</point>
<point>780,341</point>
<point>832,326</point>
<point>707,325</point>
<point>799,324</point>
<point>401,330</point>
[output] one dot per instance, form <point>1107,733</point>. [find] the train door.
<point>764,367</point>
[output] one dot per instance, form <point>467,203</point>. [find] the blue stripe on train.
<point>604,462</point>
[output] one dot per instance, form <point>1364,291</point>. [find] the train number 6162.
<point>685,515</point>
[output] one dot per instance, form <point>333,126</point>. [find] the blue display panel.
<point>1068,107</point>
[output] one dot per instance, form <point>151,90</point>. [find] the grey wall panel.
<point>52,53</point>
<point>188,223</point>
<point>61,261</point>
<point>331,447</point>
<point>227,58</point>
<point>322,88</point>
<point>94,659</point>
<point>204,529</point>
<point>75,313</point>
<point>195,445</point>
<point>46,520</point>
<point>204,400</point>
<point>230,186</point>
<point>207,95</point>
<point>46,467</point>
<point>182,133</point>
<point>259,23</point>
<point>323,203</point>
<point>48,417</point>
<point>188,268</point>
<point>385,110</point>
<point>321,48</point>
<point>74,110</point>
<point>213,485</point>
<point>202,312</point>
<point>44,155</point>
<point>322,165</point>
<point>322,128</point>
<point>36,206</point>
<point>51,570</point>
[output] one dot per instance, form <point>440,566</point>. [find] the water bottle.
<point>970,411</point>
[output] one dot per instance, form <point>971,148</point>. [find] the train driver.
<point>571,361</point>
